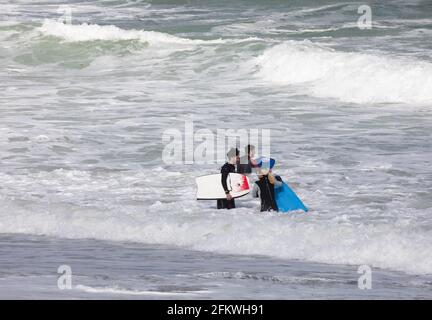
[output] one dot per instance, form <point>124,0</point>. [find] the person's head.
<point>261,172</point>
<point>250,150</point>
<point>233,155</point>
<point>265,166</point>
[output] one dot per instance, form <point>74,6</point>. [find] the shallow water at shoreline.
<point>112,270</point>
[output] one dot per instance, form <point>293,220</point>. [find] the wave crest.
<point>93,32</point>
<point>351,77</point>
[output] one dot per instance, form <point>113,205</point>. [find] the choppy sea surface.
<point>84,106</point>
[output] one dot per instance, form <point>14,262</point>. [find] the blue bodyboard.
<point>287,200</point>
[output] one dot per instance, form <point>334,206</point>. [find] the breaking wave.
<point>347,76</point>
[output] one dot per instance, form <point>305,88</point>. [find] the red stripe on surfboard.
<point>245,184</point>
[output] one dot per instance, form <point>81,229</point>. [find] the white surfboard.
<point>210,186</point>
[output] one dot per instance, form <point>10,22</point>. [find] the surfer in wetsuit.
<point>233,158</point>
<point>247,162</point>
<point>264,187</point>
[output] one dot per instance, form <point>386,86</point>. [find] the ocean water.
<point>84,106</point>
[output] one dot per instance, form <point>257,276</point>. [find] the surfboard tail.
<point>287,200</point>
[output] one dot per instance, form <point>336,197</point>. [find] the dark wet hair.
<point>233,152</point>
<point>248,148</point>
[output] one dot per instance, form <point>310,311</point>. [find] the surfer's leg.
<point>221,203</point>
<point>225,204</point>
<point>230,204</point>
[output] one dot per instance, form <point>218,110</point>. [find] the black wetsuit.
<point>224,203</point>
<point>244,165</point>
<point>267,195</point>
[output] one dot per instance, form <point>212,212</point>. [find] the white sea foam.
<point>120,291</point>
<point>92,32</point>
<point>306,11</point>
<point>397,244</point>
<point>347,76</point>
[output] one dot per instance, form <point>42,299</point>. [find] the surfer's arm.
<point>278,182</point>
<point>224,177</point>
<point>255,191</point>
